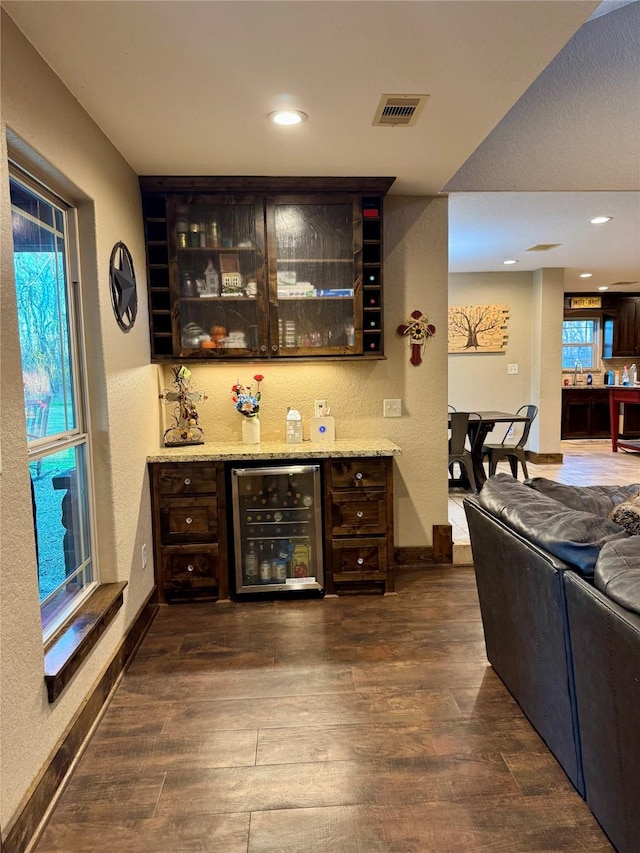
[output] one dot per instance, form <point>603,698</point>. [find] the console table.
<point>622,394</point>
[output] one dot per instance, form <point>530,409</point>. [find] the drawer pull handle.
<point>360,561</point>
<point>190,568</point>
<point>359,475</point>
<point>359,513</point>
<point>187,481</point>
<point>188,519</point>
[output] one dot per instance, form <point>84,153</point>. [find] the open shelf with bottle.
<point>256,268</point>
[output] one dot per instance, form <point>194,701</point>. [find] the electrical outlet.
<point>392,408</point>
<point>144,556</point>
<point>512,368</point>
<point>320,407</point>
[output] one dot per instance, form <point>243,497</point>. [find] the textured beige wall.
<point>38,109</point>
<point>480,380</point>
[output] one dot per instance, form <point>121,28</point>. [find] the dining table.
<point>480,425</point>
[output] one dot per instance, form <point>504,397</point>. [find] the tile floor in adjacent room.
<point>584,463</point>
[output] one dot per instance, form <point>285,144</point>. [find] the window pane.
<point>570,355</point>
<point>61,501</point>
<point>61,520</point>
<point>40,272</point>
<point>579,343</point>
<point>578,331</point>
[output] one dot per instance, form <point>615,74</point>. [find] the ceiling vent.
<point>543,247</point>
<point>399,110</point>
<point>622,283</point>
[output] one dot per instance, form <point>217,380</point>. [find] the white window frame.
<point>80,436</point>
<point>597,340</point>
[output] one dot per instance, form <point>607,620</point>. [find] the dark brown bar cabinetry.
<point>359,525</point>
<point>264,268</point>
<point>188,500</point>
<point>190,524</point>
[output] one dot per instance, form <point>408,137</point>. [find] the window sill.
<point>72,644</point>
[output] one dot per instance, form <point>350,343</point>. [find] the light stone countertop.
<point>597,387</point>
<point>212,451</point>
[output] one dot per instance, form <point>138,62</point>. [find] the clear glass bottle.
<point>251,564</point>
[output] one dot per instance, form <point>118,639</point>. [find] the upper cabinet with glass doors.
<point>264,268</point>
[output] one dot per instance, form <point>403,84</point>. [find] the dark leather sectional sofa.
<point>559,590</point>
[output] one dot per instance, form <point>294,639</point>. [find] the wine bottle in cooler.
<point>251,564</point>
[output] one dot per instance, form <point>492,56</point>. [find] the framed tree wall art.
<point>477,328</point>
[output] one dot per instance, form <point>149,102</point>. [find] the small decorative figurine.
<point>185,429</point>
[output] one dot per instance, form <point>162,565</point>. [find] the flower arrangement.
<point>247,398</point>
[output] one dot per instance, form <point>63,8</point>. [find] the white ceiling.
<point>184,87</point>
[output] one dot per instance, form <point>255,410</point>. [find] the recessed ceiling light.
<point>586,274</point>
<point>603,287</point>
<point>510,261</point>
<point>599,220</point>
<point>287,117</point>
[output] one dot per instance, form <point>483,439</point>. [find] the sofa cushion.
<point>600,500</point>
<point>617,572</point>
<point>571,535</point>
<point>627,515</point>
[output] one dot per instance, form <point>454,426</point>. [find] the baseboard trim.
<point>544,458</point>
<point>43,791</point>
<point>441,553</point>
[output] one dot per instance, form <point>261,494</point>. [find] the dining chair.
<point>513,452</point>
<point>458,451</point>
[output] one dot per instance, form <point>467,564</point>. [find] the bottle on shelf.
<point>265,565</point>
<point>625,375</point>
<point>251,567</point>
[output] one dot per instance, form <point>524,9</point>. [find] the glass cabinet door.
<point>218,276</point>
<point>277,523</point>
<point>315,278</point>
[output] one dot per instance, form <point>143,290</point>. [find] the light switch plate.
<point>392,408</point>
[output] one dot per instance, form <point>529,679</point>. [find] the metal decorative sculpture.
<point>185,429</point>
<point>122,282</point>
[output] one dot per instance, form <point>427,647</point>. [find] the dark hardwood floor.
<point>350,725</point>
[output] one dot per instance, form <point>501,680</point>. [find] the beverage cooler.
<point>277,529</point>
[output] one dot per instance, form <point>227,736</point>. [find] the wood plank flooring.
<point>349,725</point>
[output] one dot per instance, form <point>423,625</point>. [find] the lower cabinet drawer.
<point>189,570</point>
<point>359,514</point>
<point>184,478</point>
<point>358,473</point>
<point>359,560</point>
<point>188,520</point>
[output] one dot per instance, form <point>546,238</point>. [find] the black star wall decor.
<point>122,281</point>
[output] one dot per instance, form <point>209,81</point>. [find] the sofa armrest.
<point>605,638</point>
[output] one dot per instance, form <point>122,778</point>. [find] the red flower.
<point>258,377</point>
